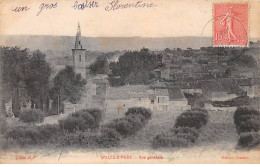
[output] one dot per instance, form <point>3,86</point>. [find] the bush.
<point>169,140</point>
<point>240,112</point>
<point>137,121</point>
<point>109,138</point>
<point>195,119</point>
<point>185,131</point>
<point>82,120</point>
<point>32,116</point>
<point>251,124</point>
<point>249,140</point>
<point>192,131</point>
<point>246,120</point>
<point>122,126</point>
<point>80,138</point>
<point>129,125</point>
<point>34,135</point>
<point>139,110</point>
<point>3,123</point>
<point>50,133</point>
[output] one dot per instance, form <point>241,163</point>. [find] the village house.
<point>250,86</point>
<point>177,100</point>
<point>215,91</point>
<point>191,88</point>
<point>119,99</point>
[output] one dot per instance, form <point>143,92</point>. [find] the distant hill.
<point>103,43</point>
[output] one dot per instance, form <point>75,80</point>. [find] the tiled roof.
<point>212,86</point>
<point>230,86</point>
<point>117,94</point>
<point>157,84</point>
<point>161,92</point>
<point>138,95</point>
<point>135,88</point>
<point>175,94</point>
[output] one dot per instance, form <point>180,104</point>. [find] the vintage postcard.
<point>129,81</point>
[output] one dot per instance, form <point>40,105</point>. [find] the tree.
<point>100,66</point>
<point>136,64</point>
<point>67,86</point>
<point>24,76</point>
<point>37,80</point>
<point>14,63</point>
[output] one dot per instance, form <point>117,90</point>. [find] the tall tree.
<point>100,66</point>
<point>135,64</point>
<point>14,63</point>
<point>37,80</point>
<point>67,86</point>
<point>24,76</point>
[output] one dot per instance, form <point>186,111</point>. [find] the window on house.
<point>152,101</point>
<point>140,99</point>
<point>79,57</point>
<point>162,99</point>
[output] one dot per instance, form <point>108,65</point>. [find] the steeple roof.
<point>78,44</point>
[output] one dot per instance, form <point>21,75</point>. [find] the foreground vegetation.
<point>82,129</point>
<point>247,122</point>
<point>185,131</point>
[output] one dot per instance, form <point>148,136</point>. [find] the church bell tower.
<point>78,55</point>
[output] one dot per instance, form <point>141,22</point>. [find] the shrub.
<point>187,136</point>
<point>161,140</point>
<point>240,112</point>
<point>169,140</point>
<point>129,125</point>
<point>249,140</point>
<point>80,138</point>
<point>32,116</point>
<point>185,131</point>
<point>195,119</point>
<point>82,120</point>
<point>34,135</point>
<point>24,135</point>
<point>246,120</point>
<point>139,110</point>
<point>50,133</point>
<point>109,138</point>
<point>97,114</point>
<point>192,131</point>
<point>3,123</point>
<point>122,126</point>
<point>251,124</point>
<point>137,121</point>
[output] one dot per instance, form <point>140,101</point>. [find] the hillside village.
<point>142,99</point>
<point>215,74</point>
<point>210,72</point>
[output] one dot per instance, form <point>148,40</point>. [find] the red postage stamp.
<point>230,23</point>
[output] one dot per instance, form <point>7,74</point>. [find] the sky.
<point>169,18</point>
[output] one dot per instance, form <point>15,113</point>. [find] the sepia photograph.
<point>129,82</point>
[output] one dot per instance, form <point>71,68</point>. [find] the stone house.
<point>177,100</point>
<point>214,91</point>
<point>249,86</point>
<point>119,99</point>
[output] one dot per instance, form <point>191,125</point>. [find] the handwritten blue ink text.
<point>46,6</point>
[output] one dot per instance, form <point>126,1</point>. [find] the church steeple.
<point>78,44</point>
<point>79,55</point>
